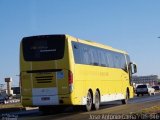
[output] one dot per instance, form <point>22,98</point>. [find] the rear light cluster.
<point>70,77</point>
<point>70,80</point>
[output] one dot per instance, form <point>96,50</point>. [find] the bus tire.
<point>97,100</point>
<point>89,101</point>
<point>125,101</point>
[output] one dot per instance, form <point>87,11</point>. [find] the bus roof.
<point>95,44</point>
<point>89,42</point>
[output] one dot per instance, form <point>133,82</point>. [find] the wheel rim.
<point>89,101</point>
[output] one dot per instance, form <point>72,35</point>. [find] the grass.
<point>7,108</point>
<point>15,105</point>
<point>148,113</point>
<point>154,109</point>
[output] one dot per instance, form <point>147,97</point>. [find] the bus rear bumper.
<point>45,100</point>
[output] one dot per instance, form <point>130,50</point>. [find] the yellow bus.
<point>59,70</point>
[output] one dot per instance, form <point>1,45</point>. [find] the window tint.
<point>95,57</point>
<point>41,48</point>
<point>110,57</point>
<point>90,55</point>
<point>122,62</point>
<point>116,60</point>
<point>85,55</point>
<point>103,58</point>
<point>77,53</point>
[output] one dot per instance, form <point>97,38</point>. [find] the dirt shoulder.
<point>6,108</point>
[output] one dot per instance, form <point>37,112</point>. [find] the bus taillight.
<point>70,80</point>
<point>70,77</point>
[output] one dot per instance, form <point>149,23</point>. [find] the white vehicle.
<point>145,89</point>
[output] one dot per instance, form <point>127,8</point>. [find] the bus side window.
<point>122,62</point>
<point>110,59</point>
<point>75,46</point>
<point>102,56</point>
<point>77,52</point>
<point>86,59</point>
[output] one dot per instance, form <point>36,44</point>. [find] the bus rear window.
<point>43,48</point>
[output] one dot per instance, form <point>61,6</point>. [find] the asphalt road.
<point>110,108</point>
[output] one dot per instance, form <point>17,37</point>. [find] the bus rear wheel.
<point>89,101</point>
<point>97,100</point>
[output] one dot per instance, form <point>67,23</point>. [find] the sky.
<point>130,25</point>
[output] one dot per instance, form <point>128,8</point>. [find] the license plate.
<point>45,98</point>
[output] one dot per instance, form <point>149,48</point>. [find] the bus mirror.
<point>134,68</point>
